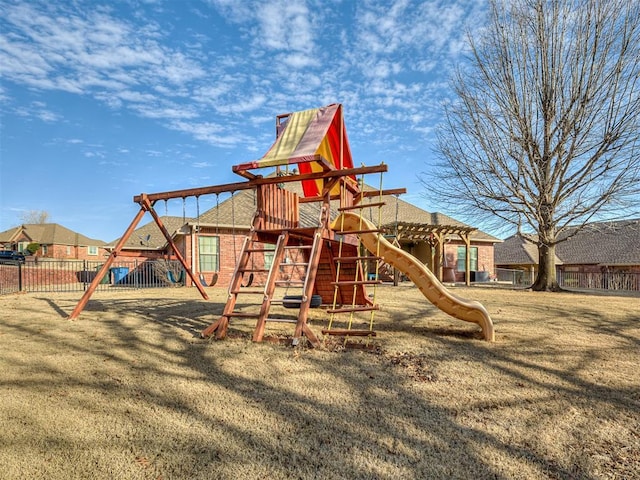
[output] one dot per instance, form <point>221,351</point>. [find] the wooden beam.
<point>252,183</point>
<point>105,268</point>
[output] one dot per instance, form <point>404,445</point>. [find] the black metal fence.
<point>77,275</point>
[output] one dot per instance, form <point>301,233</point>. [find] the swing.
<point>201,278</point>
<point>172,277</point>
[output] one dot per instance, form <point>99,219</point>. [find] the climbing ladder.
<point>357,301</point>
<point>288,239</point>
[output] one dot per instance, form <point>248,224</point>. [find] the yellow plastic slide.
<point>420,275</point>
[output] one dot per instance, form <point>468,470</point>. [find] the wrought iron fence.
<point>621,281</point>
<point>513,276</point>
<point>600,280</point>
<point>77,275</point>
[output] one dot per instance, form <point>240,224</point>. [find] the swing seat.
<point>214,280</point>
<point>249,281</point>
<point>294,301</point>
<point>172,277</point>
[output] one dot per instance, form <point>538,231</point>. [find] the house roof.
<point>517,250</point>
<point>48,234</point>
<point>149,236</point>
<point>601,243</point>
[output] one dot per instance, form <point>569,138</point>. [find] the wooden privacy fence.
<point>76,275</point>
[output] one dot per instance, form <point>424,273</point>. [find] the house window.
<point>93,251</point>
<point>268,258</point>
<point>209,253</point>
<point>473,254</point>
<point>68,249</point>
<point>44,250</point>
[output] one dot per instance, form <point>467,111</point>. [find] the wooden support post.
<point>105,268</point>
<point>467,259</point>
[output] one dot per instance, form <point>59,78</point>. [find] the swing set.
<point>333,253</point>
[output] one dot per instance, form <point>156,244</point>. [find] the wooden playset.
<point>332,252</point>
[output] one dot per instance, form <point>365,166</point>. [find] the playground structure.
<point>330,253</point>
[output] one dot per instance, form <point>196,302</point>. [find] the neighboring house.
<point>56,242</point>
<point>612,247</point>
<point>211,243</point>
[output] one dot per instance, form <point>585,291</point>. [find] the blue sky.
<point>101,101</point>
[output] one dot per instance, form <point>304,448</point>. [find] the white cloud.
<point>202,165</point>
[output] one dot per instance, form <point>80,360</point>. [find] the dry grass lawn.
<point>130,391</point>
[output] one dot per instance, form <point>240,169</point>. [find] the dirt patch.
<point>129,390</point>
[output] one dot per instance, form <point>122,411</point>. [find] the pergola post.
<point>467,259</point>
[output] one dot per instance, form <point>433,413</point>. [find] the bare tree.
<point>545,129</point>
<point>35,217</point>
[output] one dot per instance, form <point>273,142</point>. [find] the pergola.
<point>436,236</point>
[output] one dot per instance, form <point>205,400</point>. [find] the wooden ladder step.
<point>282,320</point>
<point>290,282</point>
<point>360,206</point>
<point>345,332</point>
<point>256,270</point>
<point>242,315</point>
<point>358,232</point>
<point>250,291</point>
<point>297,247</point>
<point>357,282</point>
<point>259,250</point>
<point>369,308</point>
<point>294,264</point>
<point>355,259</point>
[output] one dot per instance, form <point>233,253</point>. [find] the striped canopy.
<point>314,139</point>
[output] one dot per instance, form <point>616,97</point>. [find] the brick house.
<point>211,242</point>
<point>56,242</point>
<point>612,247</point>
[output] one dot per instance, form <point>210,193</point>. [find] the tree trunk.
<point>546,279</point>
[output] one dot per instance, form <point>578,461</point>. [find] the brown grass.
<point>130,391</point>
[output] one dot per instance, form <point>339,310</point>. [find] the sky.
<point>101,101</point>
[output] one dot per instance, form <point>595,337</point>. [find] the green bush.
<point>33,247</point>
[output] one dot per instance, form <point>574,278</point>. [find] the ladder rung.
<point>242,315</point>
<point>298,247</point>
<point>354,309</point>
<point>282,320</point>
<point>344,332</point>
<point>256,270</point>
<point>354,259</point>
<point>251,250</point>
<point>295,264</point>
<point>249,291</point>
<point>358,232</point>
<point>361,206</point>
<point>358,282</point>
<point>289,282</point>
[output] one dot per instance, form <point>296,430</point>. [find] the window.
<point>268,258</point>
<point>93,251</point>
<point>44,250</point>
<point>473,254</point>
<point>68,249</point>
<point>209,253</point>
